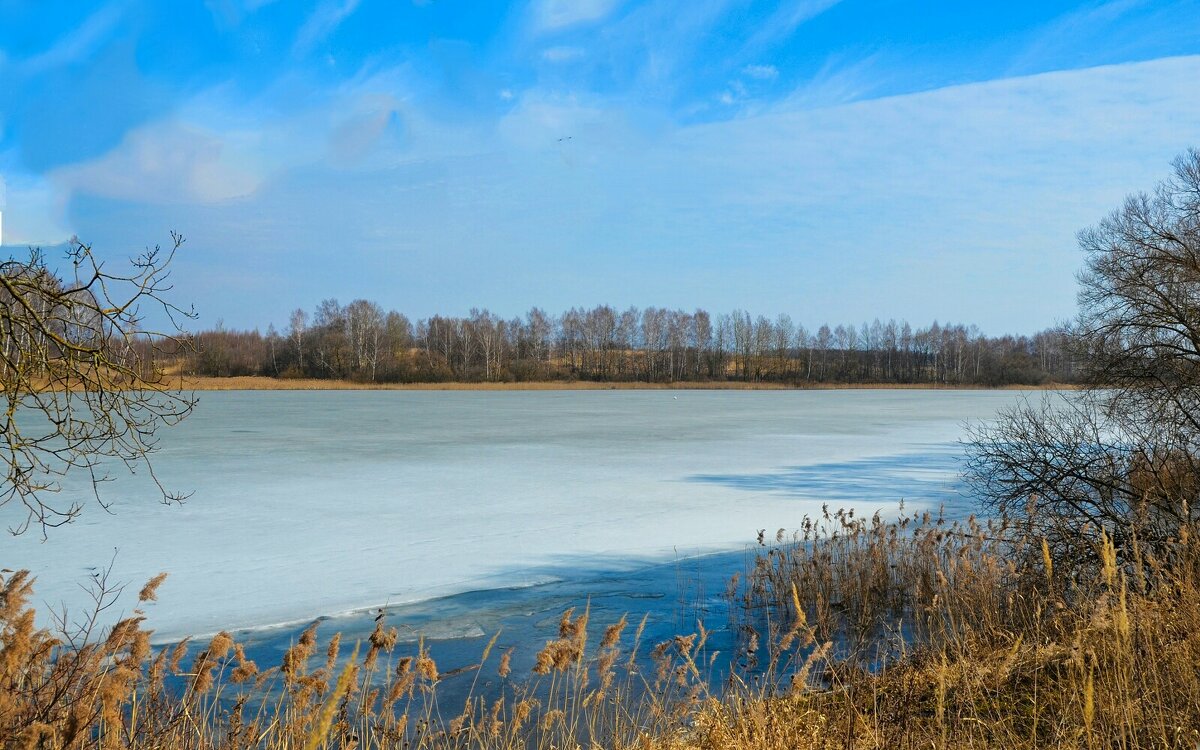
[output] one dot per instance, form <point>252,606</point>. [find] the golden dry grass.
<point>853,633</point>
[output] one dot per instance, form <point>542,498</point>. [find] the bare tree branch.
<point>84,389</point>
<point>1124,454</point>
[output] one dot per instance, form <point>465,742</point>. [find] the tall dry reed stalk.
<point>853,632</point>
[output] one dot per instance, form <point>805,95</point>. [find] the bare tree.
<point>297,324</point>
<point>1124,454</point>
<point>272,340</point>
<point>823,341</point>
<point>365,328</point>
<point>743,342</point>
<point>702,340</point>
<point>540,332</point>
<point>485,329</point>
<point>628,332</point>
<point>84,385</point>
<point>784,333</point>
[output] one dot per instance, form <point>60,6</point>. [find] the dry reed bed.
<point>853,633</point>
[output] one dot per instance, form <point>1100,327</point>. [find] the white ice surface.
<point>311,503</point>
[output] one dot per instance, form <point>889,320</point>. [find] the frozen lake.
<point>321,503</point>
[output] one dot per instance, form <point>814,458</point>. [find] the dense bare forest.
<point>360,341</point>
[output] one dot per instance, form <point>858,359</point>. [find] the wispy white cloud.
<point>832,188</point>
<point>164,162</point>
<point>228,14</point>
<point>1070,30</point>
<point>550,15</point>
<point>919,205</point>
<point>34,210</point>
<point>608,135</point>
<point>365,130</point>
<point>785,20</point>
<point>78,44</point>
<point>664,40</point>
<point>219,146</point>
<point>761,72</point>
<point>541,122</point>
<point>838,82</point>
<point>323,22</point>
<point>734,94</point>
<point>562,54</point>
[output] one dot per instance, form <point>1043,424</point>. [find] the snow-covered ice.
<point>319,503</point>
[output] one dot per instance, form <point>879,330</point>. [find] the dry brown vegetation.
<point>852,633</point>
<point>1074,624</point>
<point>264,383</point>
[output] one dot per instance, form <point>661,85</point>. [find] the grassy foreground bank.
<point>852,633</point>
<point>264,383</point>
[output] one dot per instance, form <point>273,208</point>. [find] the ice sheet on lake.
<point>310,503</point>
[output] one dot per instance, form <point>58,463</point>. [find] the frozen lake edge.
<point>318,503</point>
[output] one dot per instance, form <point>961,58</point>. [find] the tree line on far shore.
<point>363,342</point>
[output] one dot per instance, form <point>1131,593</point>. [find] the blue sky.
<point>833,160</point>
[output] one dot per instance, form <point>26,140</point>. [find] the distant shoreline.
<point>263,383</point>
